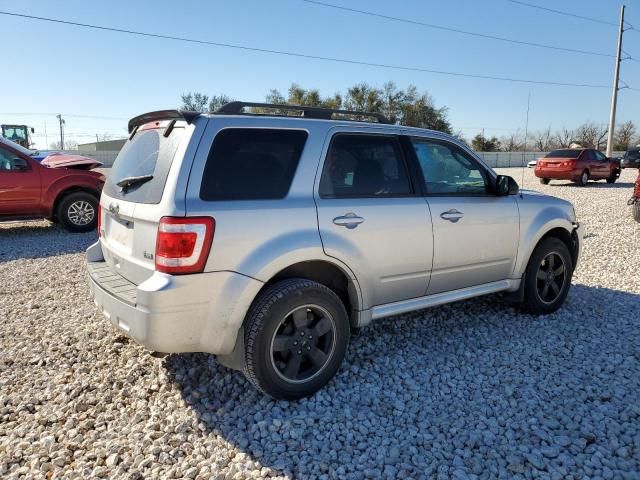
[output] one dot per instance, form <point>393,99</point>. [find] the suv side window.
<point>447,169</point>
<point>252,164</point>
<point>363,165</point>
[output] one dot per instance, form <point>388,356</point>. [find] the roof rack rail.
<point>237,108</point>
<point>188,117</point>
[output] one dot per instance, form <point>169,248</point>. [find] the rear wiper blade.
<point>130,181</point>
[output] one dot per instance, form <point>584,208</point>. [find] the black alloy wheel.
<point>303,343</point>
<point>551,277</point>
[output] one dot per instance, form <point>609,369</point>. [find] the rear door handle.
<point>452,215</point>
<point>349,220</point>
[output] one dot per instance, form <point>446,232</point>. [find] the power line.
<point>456,30</point>
<point>72,115</point>
<point>560,12</point>
<point>303,55</point>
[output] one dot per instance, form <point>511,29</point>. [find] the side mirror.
<point>506,185</point>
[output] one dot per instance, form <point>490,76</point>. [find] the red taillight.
<point>183,244</point>
<point>99,220</point>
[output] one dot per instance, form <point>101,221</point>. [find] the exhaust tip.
<point>159,354</point>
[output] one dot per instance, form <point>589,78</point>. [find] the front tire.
<point>545,181</point>
<point>296,336</point>
<point>78,212</point>
<point>613,177</point>
<point>548,277</point>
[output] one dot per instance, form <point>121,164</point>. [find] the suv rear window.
<point>148,153</point>
<point>251,164</point>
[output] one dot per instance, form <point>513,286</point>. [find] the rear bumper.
<point>555,173</point>
<point>172,314</point>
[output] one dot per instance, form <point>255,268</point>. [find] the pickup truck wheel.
<point>548,277</point>
<point>545,181</point>
<point>296,336</point>
<point>78,212</point>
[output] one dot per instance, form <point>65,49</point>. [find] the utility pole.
<point>61,120</point>
<point>614,95</point>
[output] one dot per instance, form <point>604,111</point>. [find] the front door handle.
<point>349,220</point>
<point>452,215</point>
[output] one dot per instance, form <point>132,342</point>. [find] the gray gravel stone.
<point>472,390</point>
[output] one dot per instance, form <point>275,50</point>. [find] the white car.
<point>532,163</point>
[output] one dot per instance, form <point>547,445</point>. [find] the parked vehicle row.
<point>266,239</point>
<point>578,165</point>
<point>62,188</point>
<point>631,158</point>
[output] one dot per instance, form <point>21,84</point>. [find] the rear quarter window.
<point>251,164</point>
<point>149,152</point>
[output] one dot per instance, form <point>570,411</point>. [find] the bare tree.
<point>103,137</point>
<point>624,136</point>
<point>563,138</point>
<point>68,145</point>
<point>542,140</point>
<point>513,142</point>
<point>591,135</point>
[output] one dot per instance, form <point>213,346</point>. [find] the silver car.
<point>266,239</point>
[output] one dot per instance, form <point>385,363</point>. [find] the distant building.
<point>106,146</point>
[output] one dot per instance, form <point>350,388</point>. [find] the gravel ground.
<point>471,390</point>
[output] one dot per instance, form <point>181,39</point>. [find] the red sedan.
<point>63,188</point>
<point>578,165</point>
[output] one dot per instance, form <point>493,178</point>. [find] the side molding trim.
<point>412,304</point>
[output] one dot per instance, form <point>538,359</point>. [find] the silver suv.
<point>267,238</point>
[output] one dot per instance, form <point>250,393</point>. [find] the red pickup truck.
<point>62,189</point>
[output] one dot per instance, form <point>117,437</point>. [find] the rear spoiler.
<point>188,117</point>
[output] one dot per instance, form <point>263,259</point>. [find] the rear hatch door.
<point>148,181</point>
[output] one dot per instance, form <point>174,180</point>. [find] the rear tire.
<point>636,210</point>
<point>584,178</point>
<point>78,212</point>
<point>545,181</point>
<point>548,277</point>
<point>296,336</point>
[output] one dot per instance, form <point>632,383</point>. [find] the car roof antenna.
<point>524,147</point>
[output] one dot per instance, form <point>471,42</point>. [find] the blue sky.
<point>88,73</point>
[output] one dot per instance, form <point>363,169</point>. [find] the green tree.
<point>405,107</point>
<point>195,102</point>
<point>480,143</point>
<point>218,101</point>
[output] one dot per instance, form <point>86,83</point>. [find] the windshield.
<point>631,154</point>
<point>566,153</point>
<point>148,155</point>
<point>15,146</point>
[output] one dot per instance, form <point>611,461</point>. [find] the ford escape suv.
<point>266,238</point>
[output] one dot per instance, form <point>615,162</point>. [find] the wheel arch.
<point>550,222</point>
<point>329,274</point>
<point>60,196</point>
